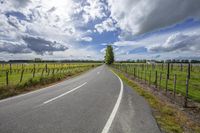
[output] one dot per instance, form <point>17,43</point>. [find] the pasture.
<point>177,78</point>
<point>18,78</point>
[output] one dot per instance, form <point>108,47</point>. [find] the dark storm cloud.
<point>179,42</point>
<point>10,47</point>
<point>41,46</point>
<point>168,12</point>
<point>31,44</point>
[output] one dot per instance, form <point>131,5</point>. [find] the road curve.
<point>95,102</point>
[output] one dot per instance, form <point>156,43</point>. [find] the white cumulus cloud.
<point>141,16</point>
<point>106,25</point>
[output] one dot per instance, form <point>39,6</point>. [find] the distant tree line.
<point>159,61</point>
<point>52,61</point>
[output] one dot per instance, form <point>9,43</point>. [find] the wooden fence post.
<point>160,79</point>
<point>46,68</point>
<point>168,70</point>
<point>6,77</point>
<point>189,66</point>
<point>21,77</point>
<point>33,70</point>
<point>156,81</point>
<point>187,87</point>
<point>167,77</point>
<point>145,76</point>
<point>134,72</point>
<point>186,93</point>
<point>166,85</point>
<point>174,85</point>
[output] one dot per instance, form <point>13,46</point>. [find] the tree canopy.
<point>109,57</point>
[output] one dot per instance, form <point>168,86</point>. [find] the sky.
<point>81,29</point>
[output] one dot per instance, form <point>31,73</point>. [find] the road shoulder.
<point>134,115</point>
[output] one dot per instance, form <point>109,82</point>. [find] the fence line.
<point>12,74</point>
<point>178,78</point>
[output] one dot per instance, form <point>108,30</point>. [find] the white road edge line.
<point>48,101</point>
<point>114,111</point>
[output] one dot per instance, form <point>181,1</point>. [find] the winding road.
<point>94,102</point>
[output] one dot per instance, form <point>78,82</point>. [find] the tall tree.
<point>109,57</point>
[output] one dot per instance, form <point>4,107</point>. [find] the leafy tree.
<point>109,57</point>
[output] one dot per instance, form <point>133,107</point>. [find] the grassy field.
<point>156,74</point>
<point>19,78</point>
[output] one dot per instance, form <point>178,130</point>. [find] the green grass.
<point>168,118</point>
<point>55,72</point>
<point>141,70</point>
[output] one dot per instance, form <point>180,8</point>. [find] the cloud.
<point>16,14</point>
<point>16,3</point>
<point>48,20</point>
<point>41,46</point>
<point>87,39</point>
<point>169,45</point>
<point>179,42</point>
<point>37,27</point>
<point>106,25</point>
<point>20,3</point>
<point>124,43</point>
<point>30,44</point>
<point>141,16</point>
<point>13,21</point>
<point>10,47</point>
<point>103,50</point>
<point>93,9</point>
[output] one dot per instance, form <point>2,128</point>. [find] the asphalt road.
<point>94,102</point>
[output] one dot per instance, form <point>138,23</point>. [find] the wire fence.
<point>12,74</point>
<point>176,79</point>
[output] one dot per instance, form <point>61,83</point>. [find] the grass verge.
<point>169,119</point>
<point>36,83</point>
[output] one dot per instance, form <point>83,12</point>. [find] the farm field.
<point>182,77</point>
<point>15,77</point>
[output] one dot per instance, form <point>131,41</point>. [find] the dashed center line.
<point>48,101</point>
